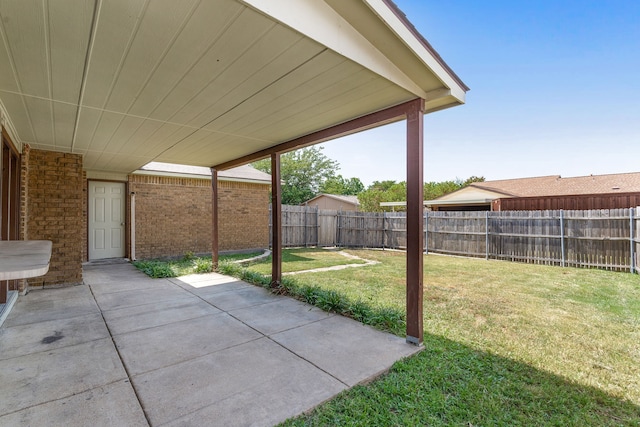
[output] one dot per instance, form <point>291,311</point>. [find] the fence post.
<point>304,226</point>
<point>338,231</point>
<point>631,242</point>
<point>562,237</point>
<point>486,235</point>
<point>384,228</point>
<point>317,226</point>
<point>426,232</point>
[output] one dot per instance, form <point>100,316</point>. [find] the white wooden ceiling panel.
<point>8,80</point>
<point>139,135</point>
<point>26,34</point>
<point>115,27</point>
<point>117,162</point>
<point>162,20</point>
<point>88,120</point>
<point>163,137</point>
<point>276,67</point>
<point>294,127</point>
<point>96,132</point>
<point>201,84</point>
<point>19,115</point>
<point>322,64</point>
<point>198,39</point>
<point>166,139</point>
<point>69,40</point>
<point>286,97</point>
<point>200,149</point>
<point>41,112</point>
<point>64,117</point>
<point>125,130</point>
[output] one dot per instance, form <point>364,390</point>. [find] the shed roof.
<point>203,83</point>
<point>347,199</point>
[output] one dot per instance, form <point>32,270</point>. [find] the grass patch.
<point>188,264</point>
<point>306,259</point>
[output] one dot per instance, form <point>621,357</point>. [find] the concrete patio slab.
<point>146,316</point>
<point>53,334</point>
<point>106,406</point>
<point>115,300</point>
<point>165,345</point>
<point>279,315</point>
<point>214,351</point>
<point>45,376</point>
<point>63,304</point>
<point>241,298</point>
<point>130,285</point>
<point>200,386</point>
<point>335,337</point>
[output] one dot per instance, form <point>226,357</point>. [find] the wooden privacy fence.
<point>608,239</point>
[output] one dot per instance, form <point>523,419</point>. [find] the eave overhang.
<point>126,82</point>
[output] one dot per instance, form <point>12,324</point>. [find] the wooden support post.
<point>276,221</point>
<point>214,220</point>
<point>415,225</point>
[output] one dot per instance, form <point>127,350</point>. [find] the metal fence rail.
<point>608,239</point>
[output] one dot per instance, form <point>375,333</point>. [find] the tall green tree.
<point>303,172</point>
<point>340,185</point>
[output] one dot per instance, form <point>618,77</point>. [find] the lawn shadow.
<point>449,383</point>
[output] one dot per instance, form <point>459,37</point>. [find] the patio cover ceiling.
<point>204,82</point>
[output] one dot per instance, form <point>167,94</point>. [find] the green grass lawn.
<point>505,344</point>
<point>306,259</point>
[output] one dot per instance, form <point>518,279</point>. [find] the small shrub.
<point>155,269</point>
<point>188,256</point>
<point>203,265</point>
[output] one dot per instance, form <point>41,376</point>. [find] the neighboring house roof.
<point>347,199</point>
<point>245,173</point>
<point>540,186</point>
<point>555,185</point>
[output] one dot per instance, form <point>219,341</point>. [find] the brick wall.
<point>53,206</point>
<point>173,215</point>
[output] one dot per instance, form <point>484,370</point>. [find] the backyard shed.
<point>336,202</point>
<point>95,90</point>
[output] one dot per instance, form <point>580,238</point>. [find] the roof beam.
<point>379,118</point>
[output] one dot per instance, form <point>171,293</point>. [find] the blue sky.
<point>555,89</point>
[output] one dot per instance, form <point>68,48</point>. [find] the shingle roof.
<point>555,185</point>
<point>245,172</point>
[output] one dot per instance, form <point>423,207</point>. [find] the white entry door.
<point>106,220</point>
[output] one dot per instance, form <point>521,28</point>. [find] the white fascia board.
<point>207,177</point>
<point>401,30</point>
<point>5,121</point>
<point>330,29</point>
